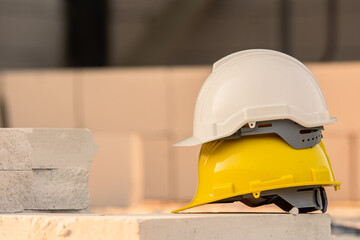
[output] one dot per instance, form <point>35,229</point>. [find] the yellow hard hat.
<point>258,169</point>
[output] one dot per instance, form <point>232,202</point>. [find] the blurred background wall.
<point>59,33</point>
<point>32,34</point>
<point>136,114</point>
<point>130,71</point>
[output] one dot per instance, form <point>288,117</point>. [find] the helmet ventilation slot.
<point>294,134</point>
<point>264,125</point>
<point>319,136</point>
<point>306,131</point>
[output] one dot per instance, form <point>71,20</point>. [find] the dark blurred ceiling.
<point>75,33</point>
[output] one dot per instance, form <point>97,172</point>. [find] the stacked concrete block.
<point>45,169</point>
<point>59,189</point>
<point>15,170</point>
<point>61,159</point>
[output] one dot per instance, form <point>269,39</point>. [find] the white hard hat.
<point>256,85</point>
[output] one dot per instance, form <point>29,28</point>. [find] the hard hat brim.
<point>190,141</point>
<point>199,203</point>
<point>193,141</point>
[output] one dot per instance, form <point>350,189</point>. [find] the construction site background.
<point>142,64</point>
<point>136,114</point>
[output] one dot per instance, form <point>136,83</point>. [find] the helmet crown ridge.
<point>256,85</point>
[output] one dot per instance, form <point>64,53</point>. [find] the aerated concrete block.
<point>338,94</point>
<point>59,189</point>
<point>166,226</point>
<point>127,100</point>
<point>61,148</point>
<point>338,150</point>
<point>185,83</point>
<point>116,177</point>
<point>156,168</point>
<point>43,98</point>
<point>183,183</point>
<point>14,190</point>
<point>15,150</point>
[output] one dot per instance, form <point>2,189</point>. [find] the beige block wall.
<point>338,148</point>
<point>185,83</point>
<point>155,107</point>
<point>340,83</point>
<point>156,167</point>
<point>129,100</point>
<point>184,168</point>
<point>40,99</point>
<point>116,173</point>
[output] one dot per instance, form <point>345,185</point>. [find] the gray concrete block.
<point>166,226</point>
<point>237,226</point>
<point>14,190</point>
<point>59,189</point>
<point>61,148</point>
<point>15,150</point>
